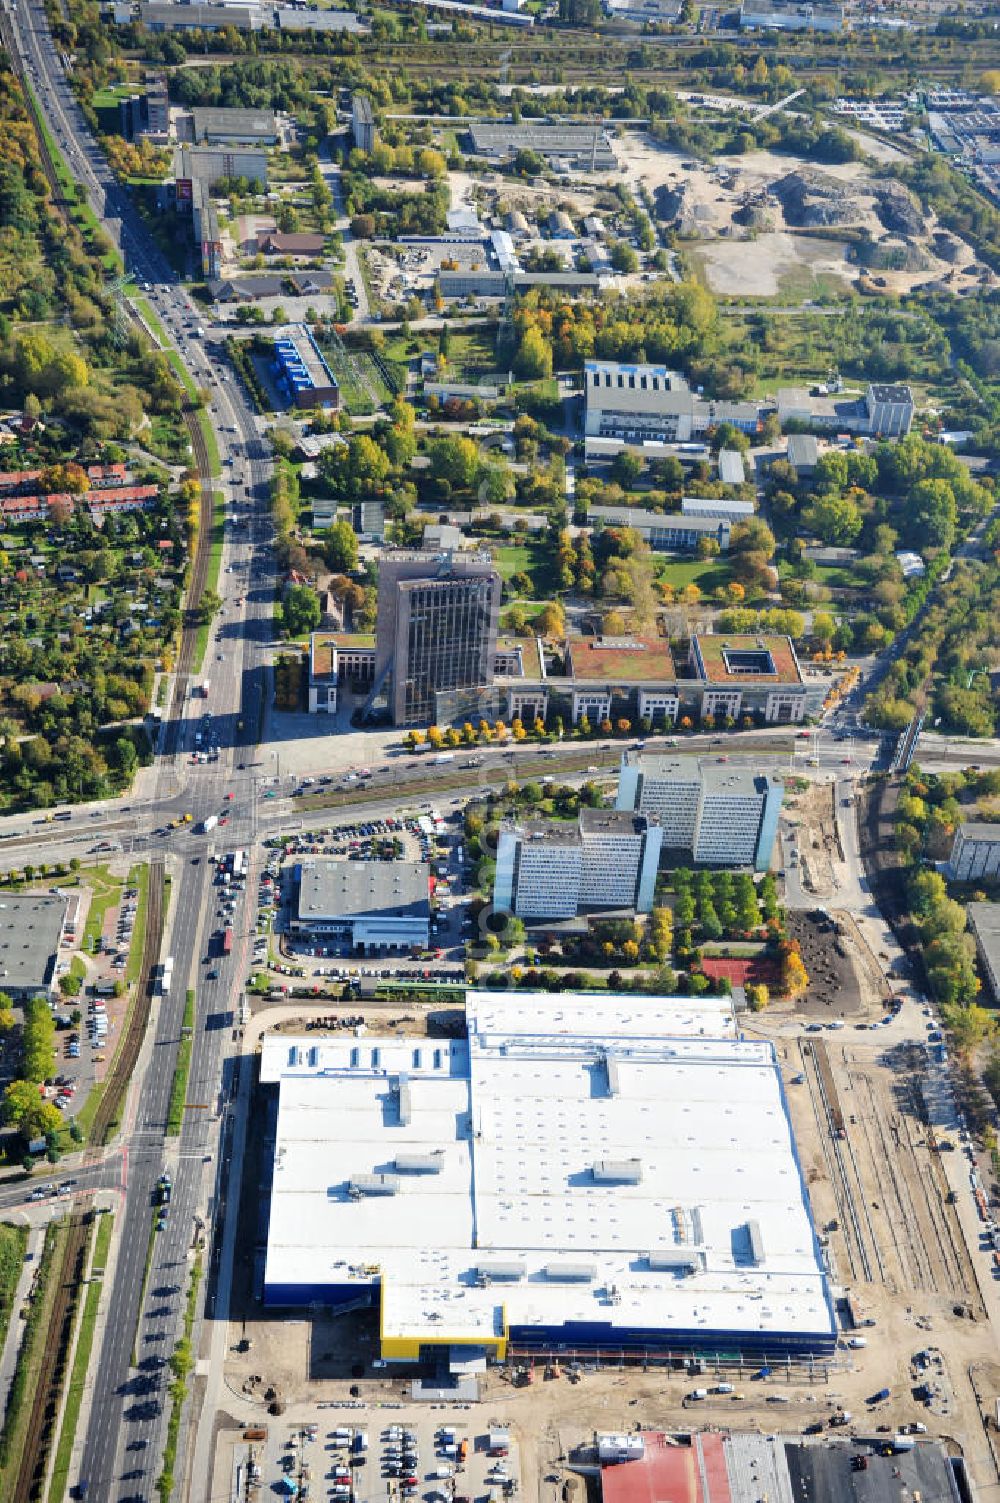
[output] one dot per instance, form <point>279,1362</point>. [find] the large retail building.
<point>579,1173</point>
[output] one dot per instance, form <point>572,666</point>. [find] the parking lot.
<point>350,1454</point>
<point>425,837</point>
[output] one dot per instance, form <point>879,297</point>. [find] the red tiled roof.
<point>670,1473</point>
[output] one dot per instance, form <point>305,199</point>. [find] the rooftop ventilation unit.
<point>570,1273</point>
<point>363,1185</point>
<point>617,1172</point>
<point>419,1163</point>
<point>756,1243</point>
<point>508,1272</point>
<point>677,1260</point>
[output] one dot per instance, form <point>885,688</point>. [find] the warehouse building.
<point>719,1465</point>
<point>585,148</point>
<point>31,927</point>
<point>223,126</point>
<point>608,859</point>
<point>650,402</point>
<point>718,815</point>
<point>580,1173</point>
<point>984,921</point>
<point>791,15</point>
<point>975,852</point>
<point>301,372</point>
<point>369,906</point>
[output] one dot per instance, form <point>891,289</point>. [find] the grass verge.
<point>178,1089</point>
<point>13,1241</point>
<point>138,878</point>
<point>181,1363</point>
<point>212,577</point>
<point>81,1361</point>
<point>106,890</point>
<point>36,1332</point>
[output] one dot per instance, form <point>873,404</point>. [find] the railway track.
<point>51,1371</point>
<point>123,1066</point>
<point>913,1254</point>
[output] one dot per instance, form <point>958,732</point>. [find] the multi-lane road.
<point>126,1418</point>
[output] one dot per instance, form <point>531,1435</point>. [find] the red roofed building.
<point>670,1471</point>
<point>125,498</point>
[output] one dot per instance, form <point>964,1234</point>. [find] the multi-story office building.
<point>630,401</point>
<point>975,852</point>
<point>718,815</point>
<point>607,860</point>
<point>436,634</point>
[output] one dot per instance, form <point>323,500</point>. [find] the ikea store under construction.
<point>583,1173</point>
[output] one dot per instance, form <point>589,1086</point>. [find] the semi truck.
<point>227,942</point>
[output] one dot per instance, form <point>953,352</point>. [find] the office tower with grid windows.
<point>436,632</point>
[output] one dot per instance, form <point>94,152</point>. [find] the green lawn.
<point>13,1241</point>
<point>106,892</point>
<point>527,558</point>
<point>138,877</point>
<point>178,1089</point>
<point>708,574</point>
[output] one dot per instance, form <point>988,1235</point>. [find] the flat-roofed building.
<point>210,164</point>
<point>363,129</point>
<point>216,126</point>
<point>31,928</point>
<point>167,15</point>
<point>890,410</point>
<point>579,1173</point>
<point>369,906</point>
<point>722,509</point>
<point>975,852</point>
<point>731,467</point>
<point>756,673</point>
<point>803,452</point>
<point>668,532</point>
<point>584,147</point>
<point>719,815</point>
<point>636,401</point>
<point>791,15</point>
<point>302,374</point>
<point>984,921</point>
<point>205,224</point>
<point>607,860</point>
<point>600,670</point>
<point>336,658</point>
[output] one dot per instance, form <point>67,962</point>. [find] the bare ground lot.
<point>768,261</point>
<point>773,265</point>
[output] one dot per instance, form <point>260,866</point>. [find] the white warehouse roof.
<point>599,1161</point>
